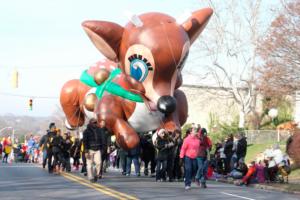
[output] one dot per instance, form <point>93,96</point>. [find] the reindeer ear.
<point>195,24</point>
<point>106,36</point>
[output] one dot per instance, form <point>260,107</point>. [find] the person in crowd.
<point>43,148</point>
<point>92,147</point>
<point>260,170</point>
<point>178,144</point>
<point>171,157</point>
<point>51,134</point>
<point>241,148</point>
<point>105,138</point>
<point>37,152</point>
<point>1,150</point>
<point>133,156</point>
<point>163,146</point>
<point>250,176</point>
<point>30,148</point>
<point>219,162</point>
<point>234,160</point>
<point>25,155</point>
<point>57,150</point>
<point>122,154</point>
<point>75,153</point>
<point>189,152</point>
<point>239,171</point>
<point>66,151</point>
<point>113,157</point>
<point>202,158</point>
<point>7,148</point>
<point>83,158</point>
<point>274,157</point>
<point>148,154</point>
<point>228,146</point>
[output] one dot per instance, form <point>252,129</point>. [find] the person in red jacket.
<point>202,161</point>
<point>250,177</point>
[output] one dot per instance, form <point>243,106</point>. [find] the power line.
<point>55,67</point>
<point>28,96</point>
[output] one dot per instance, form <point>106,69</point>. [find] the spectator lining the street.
<point>178,171</point>
<point>75,153</point>
<point>148,153</point>
<point>163,146</point>
<point>228,151</point>
<point>133,156</point>
<point>251,175</point>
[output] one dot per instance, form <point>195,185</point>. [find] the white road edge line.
<point>234,195</point>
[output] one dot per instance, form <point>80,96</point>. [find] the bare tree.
<point>229,47</point>
<point>280,51</point>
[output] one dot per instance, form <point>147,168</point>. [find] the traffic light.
<point>30,104</point>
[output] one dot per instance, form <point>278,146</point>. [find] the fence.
<point>266,136</point>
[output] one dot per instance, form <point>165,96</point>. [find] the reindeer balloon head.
<point>150,51</point>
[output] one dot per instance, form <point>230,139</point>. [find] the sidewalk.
<point>292,188</point>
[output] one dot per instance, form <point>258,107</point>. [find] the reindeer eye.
<point>139,67</point>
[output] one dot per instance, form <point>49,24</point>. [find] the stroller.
<point>19,154</point>
<point>284,169</point>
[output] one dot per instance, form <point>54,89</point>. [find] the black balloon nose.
<point>166,104</point>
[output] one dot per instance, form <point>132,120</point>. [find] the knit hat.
<point>161,132</point>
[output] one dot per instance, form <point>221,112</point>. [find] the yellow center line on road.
<point>95,188</point>
<point>98,187</point>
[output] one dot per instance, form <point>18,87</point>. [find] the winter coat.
<point>205,145</point>
<point>57,144</point>
<point>228,148</point>
<point>66,146</point>
<point>163,147</point>
<point>148,149</point>
<point>92,138</point>
<point>190,147</point>
<point>241,149</point>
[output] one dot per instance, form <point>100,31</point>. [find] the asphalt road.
<point>28,181</point>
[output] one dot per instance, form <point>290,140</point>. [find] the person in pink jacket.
<point>189,152</point>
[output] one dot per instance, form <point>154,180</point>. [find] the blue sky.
<point>44,41</point>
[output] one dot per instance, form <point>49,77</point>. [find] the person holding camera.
<point>163,146</point>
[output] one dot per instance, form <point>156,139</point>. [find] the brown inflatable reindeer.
<point>293,148</point>
<point>150,52</point>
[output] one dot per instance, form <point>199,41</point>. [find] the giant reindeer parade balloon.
<point>136,89</point>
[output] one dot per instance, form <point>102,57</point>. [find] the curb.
<point>262,187</point>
